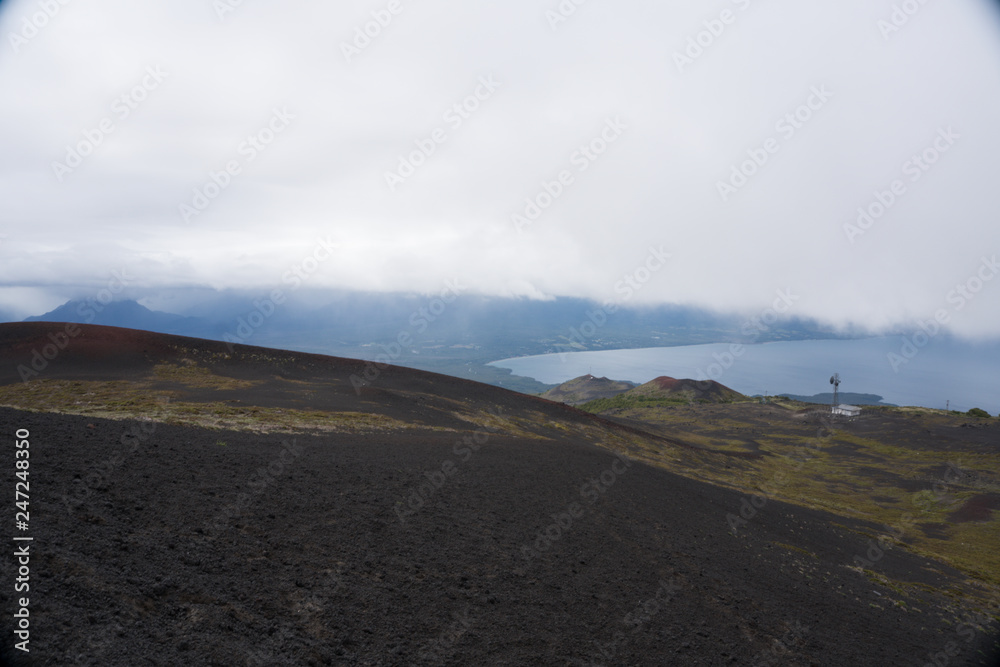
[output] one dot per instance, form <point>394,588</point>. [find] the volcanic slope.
<point>195,504</point>
<point>665,391</point>
<point>586,388</point>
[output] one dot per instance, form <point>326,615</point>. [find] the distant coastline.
<point>949,372</point>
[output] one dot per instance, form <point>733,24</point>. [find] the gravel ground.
<point>324,557</point>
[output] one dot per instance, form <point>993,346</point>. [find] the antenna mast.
<point>835,381</point>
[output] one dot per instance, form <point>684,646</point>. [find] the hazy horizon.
<point>714,156</point>
<point>947,373</point>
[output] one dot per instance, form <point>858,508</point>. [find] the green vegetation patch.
<point>623,402</point>
<point>137,400</point>
<point>880,476</point>
<point>192,375</point>
<point>276,420</point>
<point>83,397</point>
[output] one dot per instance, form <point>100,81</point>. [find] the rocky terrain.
<point>196,504</point>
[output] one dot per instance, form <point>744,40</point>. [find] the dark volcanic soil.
<point>707,391</point>
<point>133,564</point>
<point>977,508</point>
<point>159,544</point>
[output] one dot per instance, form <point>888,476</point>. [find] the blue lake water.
<point>967,374</point>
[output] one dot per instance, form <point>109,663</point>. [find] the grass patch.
<point>276,420</point>
<point>192,375</point>
<point>83,398</point>
<point>843,474</point>
<point>138,400</point>
<point>623,402</point>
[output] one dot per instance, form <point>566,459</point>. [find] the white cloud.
<point>325,174</point>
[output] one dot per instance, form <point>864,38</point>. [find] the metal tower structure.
<point>835,381</point>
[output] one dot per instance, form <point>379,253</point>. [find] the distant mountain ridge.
<point>459,336</point>
<point>520,326</point>
<point>125,314</point>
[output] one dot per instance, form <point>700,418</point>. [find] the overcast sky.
<point>115,113</point>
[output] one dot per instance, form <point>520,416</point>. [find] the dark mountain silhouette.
<point>460,336</point>
<point>127,314</point>
<point>520,326</point>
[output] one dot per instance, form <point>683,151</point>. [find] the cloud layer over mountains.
<point>843,152</point>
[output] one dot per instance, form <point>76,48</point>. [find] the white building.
<point>847,410</point>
